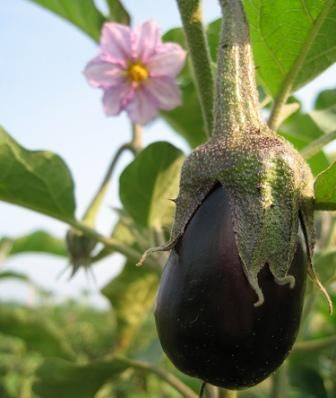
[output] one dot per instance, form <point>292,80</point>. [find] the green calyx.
<point>80,248</point>
<point>269,183</point>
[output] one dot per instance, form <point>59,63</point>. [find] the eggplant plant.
<point>236,238</point>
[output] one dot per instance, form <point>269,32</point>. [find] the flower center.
<point>137,73</point>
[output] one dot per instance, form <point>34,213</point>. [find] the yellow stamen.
<point>137,73</point>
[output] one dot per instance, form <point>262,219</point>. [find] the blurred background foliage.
<point>73,350</point>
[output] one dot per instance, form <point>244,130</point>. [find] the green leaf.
<point>309,381</point>
<point>131,294</point>
<point>187,118</point>
<point>36,180</point>
<point>58,378</point>
<point>281,29</point>
<point>118,12</point>
<point>149,183</point>
<point>36,242</point>
<point>37,333</point>
<point>81,13</point>
<point>325,99</point>
<point>301,130</point>
<point>325,189</point>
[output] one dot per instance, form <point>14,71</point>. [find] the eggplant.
<point>205,315</point>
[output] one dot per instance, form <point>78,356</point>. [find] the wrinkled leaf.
<point>131,294</point>
<point>325,189</point>
<point>187,118</point>
<point>148,184</point>
<point>37,180</point>
<point>38,334</point>
<point>35,242</point>
<point>81,13</point>
<point>280,29</point>
<point>58,378</point>
<point>118,12</point>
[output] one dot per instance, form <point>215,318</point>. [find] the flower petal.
<point>116,98</point>
<point>164,92</point>
<point>103,74</point>
<point>168,60</point>
<point>116,41</point>
<point>142,108</point>
<point>147,39</point>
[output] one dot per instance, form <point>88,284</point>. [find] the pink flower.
<point>136,71</point>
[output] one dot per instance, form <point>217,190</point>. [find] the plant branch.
<point>314,147</point>
<point>213,391</point>
<point>191,15</point>
<point>279,383</point>
<point>134,146</point>
<point>169,378</point>
<point>315,345</point>
<point>288,82</point>
<point>110,243</point>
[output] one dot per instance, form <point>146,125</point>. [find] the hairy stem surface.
<point>191,15</point>
<point>236,99</point>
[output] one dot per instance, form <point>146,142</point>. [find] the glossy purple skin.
<point>205,317</point>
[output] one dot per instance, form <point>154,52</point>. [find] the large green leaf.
<point>187,118</point>
<point>280,30</point>
<point>37,180</point>
<point>149,183</point>
<point>37,333</point>
<point>131,294</point>
<point>325,189</point>
<point>81,13</point>
<point>58,378</point>
<point>36,242</point>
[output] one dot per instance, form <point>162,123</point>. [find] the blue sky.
<point>45,103</point>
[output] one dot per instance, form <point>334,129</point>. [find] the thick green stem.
<point>134,146</point>
<point>236,99</point>
<point>169,378</point>
<point>191,16</point>
<point>314,147</point>
<point>279,383</point>
<point>288,83</point>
